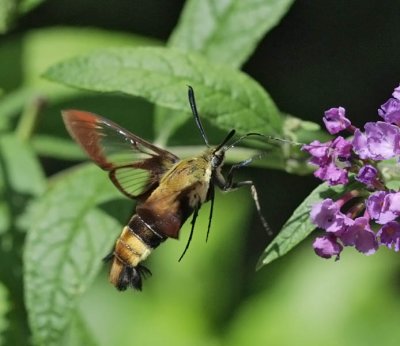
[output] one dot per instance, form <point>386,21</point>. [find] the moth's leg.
<point>211,197</point>
<point>195,214</point>
<point>229,185</point>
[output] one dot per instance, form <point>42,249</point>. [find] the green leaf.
<point>390,172</point>
<point>224,95</point>
<point>79,333</point>
<point>165,125</point>
<point>28,5</point>
<point>8,10</point>
<point>56,147</point>
<point>226,31</point>
<point>20,177</point>
<point>22,169</point>
<point>4,309</point>
<point>67,239</point>
<point>299,225</point>
<point>44,48</point>
<point>11,104</point>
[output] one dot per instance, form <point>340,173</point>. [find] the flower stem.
<point>347,197</point>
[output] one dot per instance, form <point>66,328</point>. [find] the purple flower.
<point>390,235</point>
<point>390,208</point>
<point>380,141</point>
<point>393,202</point>
<point>332,158</point>
<point>341,148</point>
<point>396,93</point>
<point>319,152</point>
<point>332,174</point>
<point>327,215</point>
<point>374,205</point>
<point>380,208</point>
<point>367,175</point>
<point>360,146</point>
<point>335,120</point>
<point>327,246</point>
<point>360,235</point>
<point>390,111</point>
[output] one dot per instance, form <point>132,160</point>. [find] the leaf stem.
<point>29,118</point>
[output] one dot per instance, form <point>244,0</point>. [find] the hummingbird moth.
<point>167,189</point>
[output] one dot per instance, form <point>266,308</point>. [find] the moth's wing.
<point>135,166</point>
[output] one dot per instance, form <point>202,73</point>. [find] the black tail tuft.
<point>132,277</point>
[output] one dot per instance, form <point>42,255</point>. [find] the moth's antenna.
<point>192,103</point>
<point>264,136</point>
<point>226,140</point>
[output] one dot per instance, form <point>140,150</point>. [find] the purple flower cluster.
<point>368,217</point>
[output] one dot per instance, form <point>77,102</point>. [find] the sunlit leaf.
<point>224,95</point>
<point>67,239</point>
<point>299,225</point>
<point>226,31</point>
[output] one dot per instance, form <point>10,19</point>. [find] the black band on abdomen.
<point>144,232</point>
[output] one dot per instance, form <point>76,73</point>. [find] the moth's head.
<point>218,153</point>
<point>217,158</point>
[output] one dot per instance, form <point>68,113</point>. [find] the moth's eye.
<point>217,159</point>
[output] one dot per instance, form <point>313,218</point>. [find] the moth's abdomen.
<point>133,246</point>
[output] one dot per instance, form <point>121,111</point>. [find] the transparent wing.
<point>135,166</point>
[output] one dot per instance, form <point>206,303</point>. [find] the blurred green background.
<point>322,54</point>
